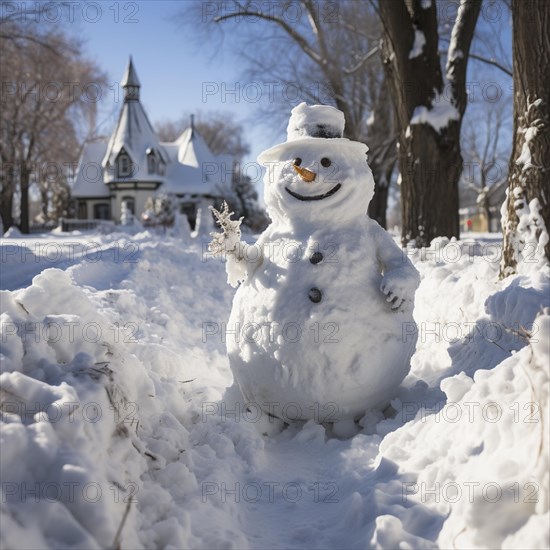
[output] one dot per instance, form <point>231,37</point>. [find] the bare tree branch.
<point>362,61</point>
<point>283,24</point>
<point>492,62</point>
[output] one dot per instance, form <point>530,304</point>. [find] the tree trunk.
<point>24,187</point>
<point>430,164</point>
<point>6,197</point>
<point>377,161</point>
<point>382,173</point>
<point>25,182</point>
<point>379,203</point>
<point>488,216</point>
<point>381,139</point>
<point>6,209</point>
<point>429,153</point>
<point>528,187</point>
<point>44,203</point>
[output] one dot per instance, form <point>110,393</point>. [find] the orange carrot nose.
<point>305,174</point>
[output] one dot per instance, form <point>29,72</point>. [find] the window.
<point>130,204</point>
<point>151,161</point>
<point>82,210</point>
<point>124,165</point>
<point>102,211</point>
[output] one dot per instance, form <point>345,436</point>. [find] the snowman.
<point>318,324</point>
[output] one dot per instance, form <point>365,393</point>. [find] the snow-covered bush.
<point>159,212</point>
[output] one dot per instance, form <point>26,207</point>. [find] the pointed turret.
<point>130,83</point>
<point>134,151</point>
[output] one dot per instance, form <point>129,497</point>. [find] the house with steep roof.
<point>480,209</point>
<point>134,165</point>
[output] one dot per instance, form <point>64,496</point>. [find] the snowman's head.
<point>316,175</point>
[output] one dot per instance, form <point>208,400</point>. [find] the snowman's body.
<point>311,334</point>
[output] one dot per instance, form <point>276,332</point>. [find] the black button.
<point>316,257</point>
<point>315,295</point>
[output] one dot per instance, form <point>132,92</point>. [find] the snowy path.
<point>302,493</point>
<point>204,479</point>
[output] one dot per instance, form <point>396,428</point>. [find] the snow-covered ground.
<point>120,428</point>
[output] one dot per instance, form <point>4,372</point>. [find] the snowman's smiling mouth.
<point>313,197</point>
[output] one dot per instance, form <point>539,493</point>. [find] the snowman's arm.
<point>400,279</point>
<point>241,258</point>
<point>242,261</point>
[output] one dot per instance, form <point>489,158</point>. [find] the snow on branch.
<point>459,47</point>
<point>438,115</point>
<point>231,233</point>
<point>419,43</point>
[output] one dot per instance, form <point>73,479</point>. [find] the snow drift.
<point>121,428</point>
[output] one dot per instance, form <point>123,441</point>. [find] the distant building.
<point>134,165</point>
<point>481,211</point>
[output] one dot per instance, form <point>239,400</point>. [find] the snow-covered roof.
<point>136,136</point>
<point>88,181</point>
<point>193,149</point>
<point>194,168</point>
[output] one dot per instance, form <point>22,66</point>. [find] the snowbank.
<point>118,429</point>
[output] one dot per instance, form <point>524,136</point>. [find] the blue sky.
<point>179,74</point>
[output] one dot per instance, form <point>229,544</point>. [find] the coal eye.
<point>297,161</point>
<point>325,162</point>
